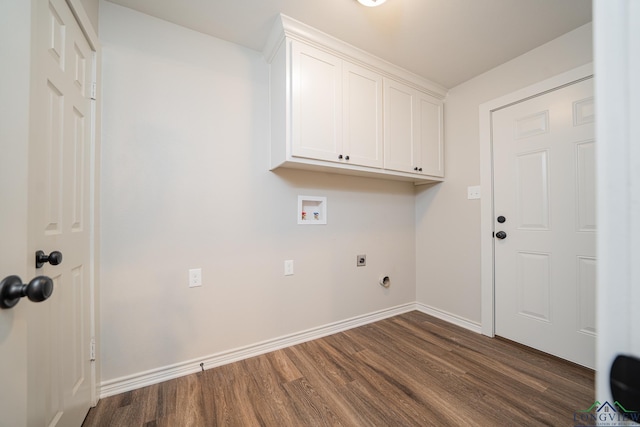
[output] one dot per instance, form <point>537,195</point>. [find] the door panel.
<point>532,196</point>
<point>544,185</point>
<point>53,162</point>
<point>586,184</point>
<point>586,295</point>
<point>59,383</point>
<point>533,285</point>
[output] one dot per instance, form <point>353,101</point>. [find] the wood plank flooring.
<point>408,370</point>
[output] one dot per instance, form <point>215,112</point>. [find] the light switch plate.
<point>288,267</point>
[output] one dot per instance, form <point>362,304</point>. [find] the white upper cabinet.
<point>399,127</point>
<point>362,125</point>
<point>316,103</point>
<point>429,136</point>
<point>335,108</point>
<point>412,130</point>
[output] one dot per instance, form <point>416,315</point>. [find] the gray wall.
<point>447,224</point>
<point>185,184</point>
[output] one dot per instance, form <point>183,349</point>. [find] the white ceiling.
<point>446,41</point>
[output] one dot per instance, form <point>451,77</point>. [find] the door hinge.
<point>92,350</point>
<point>94,89</point>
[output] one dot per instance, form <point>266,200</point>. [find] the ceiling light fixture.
<point>371,3</point>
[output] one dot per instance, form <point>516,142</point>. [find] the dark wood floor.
<point>409,370</point>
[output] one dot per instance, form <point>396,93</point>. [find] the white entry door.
<point>60,329</point>
<point>544,208</point>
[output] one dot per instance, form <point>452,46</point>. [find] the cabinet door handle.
<point>339,156</point>
<point>419,169</point>
<point>346,158</point>
<point>415,169</point>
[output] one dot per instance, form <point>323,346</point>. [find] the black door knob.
<point>501,235</point>
<point>12,289</point>
<point>501,219</point>
<point>339,156</point>
<point>346,158</point>
<point>624,380</point>
<point>54,258</point>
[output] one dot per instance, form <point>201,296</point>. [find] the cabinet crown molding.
<point>286,27</point>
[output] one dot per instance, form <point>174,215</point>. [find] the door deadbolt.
<point>54,258</point>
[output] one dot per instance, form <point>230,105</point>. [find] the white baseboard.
<point>451,318</point>
<point>154,376</point>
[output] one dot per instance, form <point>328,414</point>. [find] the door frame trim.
<point>487,284</point>
<point>83,20</point>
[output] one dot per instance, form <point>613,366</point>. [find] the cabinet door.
<point>413,139</point>
<point>399,126</point>
<point>430,136</point>
<point>316,104</point>
<point>362,103</point>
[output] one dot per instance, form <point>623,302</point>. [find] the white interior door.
<point>616,44</point>
<point>59,336</point>
<point>544,188</point>
<point>14,104</point>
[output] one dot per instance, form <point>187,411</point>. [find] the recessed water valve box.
<point>312,210</point>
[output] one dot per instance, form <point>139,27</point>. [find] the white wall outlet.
<point>195,277</point>
<point>288,267</point>
<point>473,192</point>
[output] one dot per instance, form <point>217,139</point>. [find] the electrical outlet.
<point>195,277</point>
<point>473,192</point>
<point>288,267</point>
<point>361,260</point>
